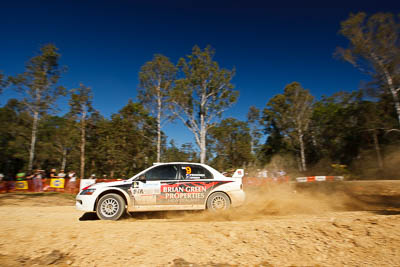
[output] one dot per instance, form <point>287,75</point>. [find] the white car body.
<point>189,190</point>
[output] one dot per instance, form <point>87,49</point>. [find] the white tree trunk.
<point>159,106</point>
<point>389,80</point>
<point>33,140</point>
<point>394,93</point>
<point>203,133</point>
<point>396,102</point>
<point>302,154</point>
<point>64,158</point>
<point>83,144</point>
<point>203,130</point>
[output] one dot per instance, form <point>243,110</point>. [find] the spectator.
<point>72,181</point>
<point>9,182</point>
<point>93,176</point>
<point>61,174</point>
<point>37,180</point>
<point>20,176</point>
<point>53,174</point>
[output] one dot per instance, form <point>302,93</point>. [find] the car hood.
<point>110,184</point>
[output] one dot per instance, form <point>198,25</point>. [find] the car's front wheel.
<point>218,202</point>
<point>110,207</point>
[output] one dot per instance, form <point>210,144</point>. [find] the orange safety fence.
<point>57,185</point>
<point>48,185</point>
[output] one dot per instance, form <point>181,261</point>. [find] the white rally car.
<point>164,186</point>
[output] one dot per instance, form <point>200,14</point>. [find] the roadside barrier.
<point>57,183</point>
<point>48,185</point>
<point>319,179</point>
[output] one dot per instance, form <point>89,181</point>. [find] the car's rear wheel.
<point>218,202</point>
<point>110,207</point>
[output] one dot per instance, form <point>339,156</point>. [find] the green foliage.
<point>14,136</point>
<point>231,143</point>
<point>125,145</point>
<point>156,79</point>
<point>202,94</point>
<point>290,113</point>
<point>39,90</point>
<point>336,127</point>
<point>375,49</point>
<point>340,134</point>
<point>374,42</point>
<point>206,88</point>
<point>81,106</point>
<point>81,101</point>
<point>275,144</point>
<point>185,153</point>
<point>38,84</point>
<point>3,82</point>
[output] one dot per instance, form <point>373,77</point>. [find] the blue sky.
<point>104,44</point>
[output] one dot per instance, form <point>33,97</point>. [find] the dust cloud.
<point>268,201</point>
<point>279,200</point>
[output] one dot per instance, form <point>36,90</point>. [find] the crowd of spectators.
<point>36,177</point>
<point>40,180</point>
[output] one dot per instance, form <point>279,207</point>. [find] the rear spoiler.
<point>239,173</point>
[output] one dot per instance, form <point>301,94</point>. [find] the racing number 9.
<point>188,170</point>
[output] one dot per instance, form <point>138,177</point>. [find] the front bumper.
<point>85,202</point>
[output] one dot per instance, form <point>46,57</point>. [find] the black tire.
<point>110,207</point>
<point>218,202</point>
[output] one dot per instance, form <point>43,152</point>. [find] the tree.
<point>123,142</point>
<point>335,127</point>
<point>64,137</point>
<point>375,121</point>
<point>375,49</point>
<point>274,144</point>
<point>3,82</point>
<point>156,78</point>
<point>185,153</point>
<point>14,136</point>
<point>202,95</point>
<point>81,106</point>
<point>232,144</point>
<point>291,112</point>
<point>38,86</point>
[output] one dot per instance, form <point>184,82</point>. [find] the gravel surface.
<point>279,226</point>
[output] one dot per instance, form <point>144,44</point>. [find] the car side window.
<point>165,172</point>
<point>191,172</point>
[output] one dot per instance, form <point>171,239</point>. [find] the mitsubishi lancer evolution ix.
<point>164,186</point>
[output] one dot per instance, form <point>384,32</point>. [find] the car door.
<point>196,182</point>
<point>147,190</point>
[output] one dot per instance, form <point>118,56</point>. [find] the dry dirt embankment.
<point>351,223</point>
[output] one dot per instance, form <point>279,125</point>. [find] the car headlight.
<point>87,191</point>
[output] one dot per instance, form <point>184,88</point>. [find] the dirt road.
<point>279,226</point>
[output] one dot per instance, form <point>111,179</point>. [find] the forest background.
<point>355,133</point>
